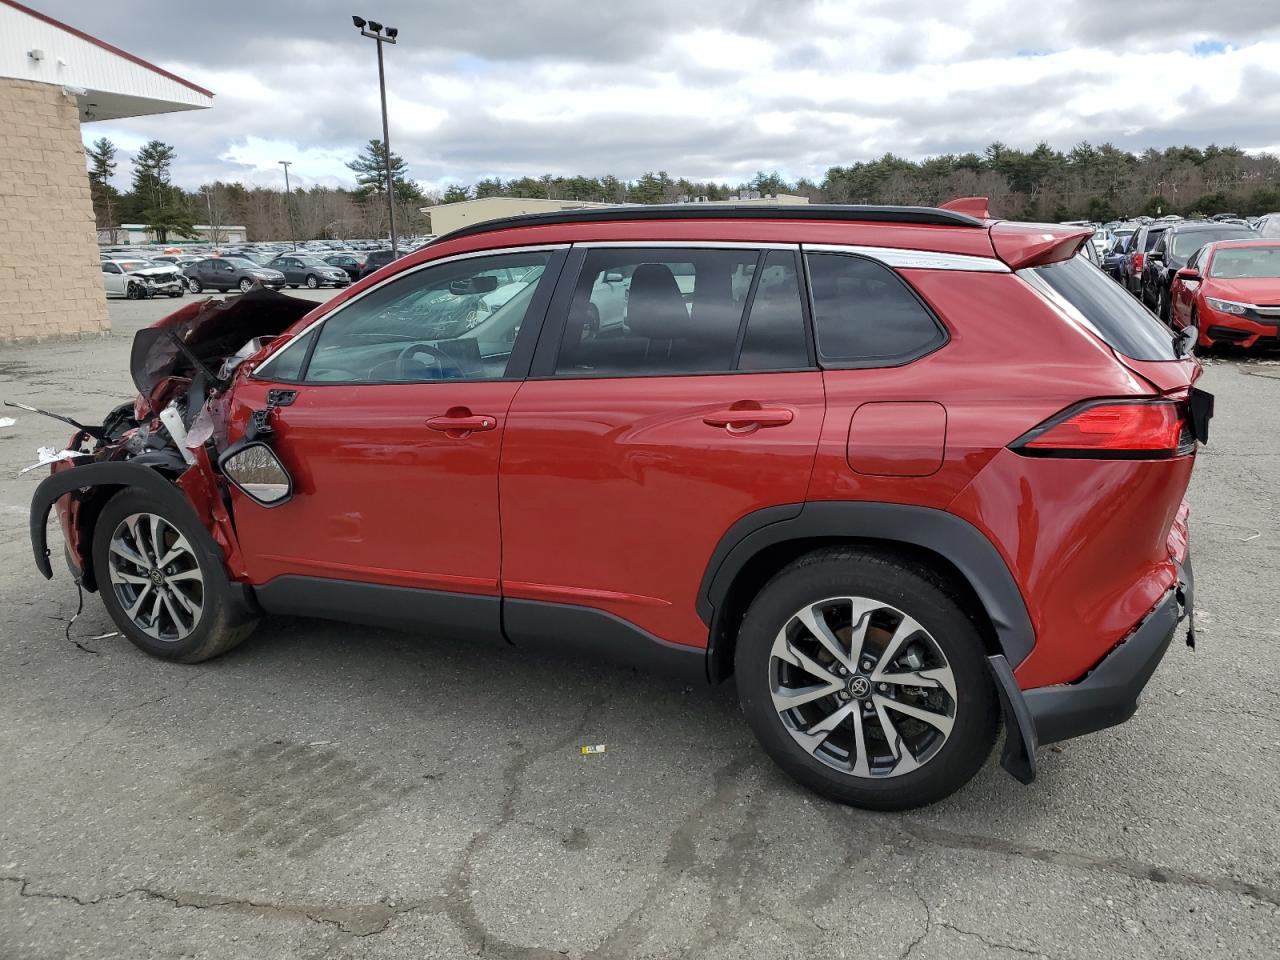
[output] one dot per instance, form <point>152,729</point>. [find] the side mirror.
<point>1188,273</point>
<point>257,472</point>
<point>473,285</point>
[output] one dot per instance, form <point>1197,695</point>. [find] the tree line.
<point>1087,182</point>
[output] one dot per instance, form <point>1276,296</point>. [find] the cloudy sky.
<point>702,88</point>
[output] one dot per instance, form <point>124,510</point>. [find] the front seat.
<point>656,310</point>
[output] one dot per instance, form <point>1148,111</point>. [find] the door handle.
<point>744,419</point>
<point>460,423</point>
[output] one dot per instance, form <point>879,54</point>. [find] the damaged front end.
<point>168,441</point>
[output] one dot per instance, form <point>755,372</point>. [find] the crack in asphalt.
<point>994,944</point>
<point>358,920</point>
<point>116,713</point>
<point>1122,866</point>
<point>459,902</point>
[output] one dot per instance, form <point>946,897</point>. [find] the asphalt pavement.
<point>337,791</point>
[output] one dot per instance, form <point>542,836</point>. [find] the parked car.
<point>1269,226</point>
<point>843,490</point>
<point>178,260</point>
<point>305,270</point>
<point>376,260</point>
<point>1172,251</point>
<point>349,262</point>
<point>140,279</point>
<point>1135,258</point>
<point>1113,257</point>
<point>230,273</point>
<point>1230,292</point>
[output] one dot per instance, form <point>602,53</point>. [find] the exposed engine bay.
<point>169,438</point>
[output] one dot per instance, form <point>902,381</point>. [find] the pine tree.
<point>158,201</point>
<point>370,168</point>
<point>102,167</point>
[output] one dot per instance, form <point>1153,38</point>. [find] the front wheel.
<point>162,581</point>
<point>312,282</point>
<point>1162,306</point>
<point>134,291</point>
<point>194,285</point>
<point>246,285</point>
<point>865,681</point>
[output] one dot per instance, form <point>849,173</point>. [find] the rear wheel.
<point>865,681</point>
<point>1162,305</point>
<point>162,581</point>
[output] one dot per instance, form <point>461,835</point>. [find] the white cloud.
<point>715,89</point>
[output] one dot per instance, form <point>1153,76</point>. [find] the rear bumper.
<point>1106,696</point>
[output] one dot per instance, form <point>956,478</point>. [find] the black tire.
<point>222,623</point>
<point>1162,305</point>
<point>194,285</point>
<point>927,599</point>
<point>245,285</point>
<point>312,282</point>
<point>133,291</point>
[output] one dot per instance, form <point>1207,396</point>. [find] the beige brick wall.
<point>50,280</point>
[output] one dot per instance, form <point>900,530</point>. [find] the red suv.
<point>900,471</point>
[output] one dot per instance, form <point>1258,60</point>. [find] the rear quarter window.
<point>1119,320</point>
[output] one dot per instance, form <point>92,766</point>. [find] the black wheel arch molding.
<point>951,537</point>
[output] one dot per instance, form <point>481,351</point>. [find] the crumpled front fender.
<point>110,473</point>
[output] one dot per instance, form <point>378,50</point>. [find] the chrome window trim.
<point>902,258</point>
<point>264,372</point>
<point>685,245</point>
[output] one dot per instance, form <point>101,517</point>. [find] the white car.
<point>141,279</point>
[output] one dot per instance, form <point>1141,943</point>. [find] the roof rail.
<point>849,212</point>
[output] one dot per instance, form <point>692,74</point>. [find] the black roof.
<point>848,212</point>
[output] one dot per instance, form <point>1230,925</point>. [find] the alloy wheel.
<point>156,577</point>
<point>862,687</point>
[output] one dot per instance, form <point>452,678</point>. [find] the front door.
<point>392,436</point>
<point>634,448</point>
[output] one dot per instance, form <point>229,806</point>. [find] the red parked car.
<point>899,471</point>
<point>1230,292</point>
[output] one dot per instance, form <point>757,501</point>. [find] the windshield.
<point>242,262</point>
<point>1186,244</point>
<point>130,265</point>
<point>1242,263</point>
<point>1118,318</point>
<point>313,262</point>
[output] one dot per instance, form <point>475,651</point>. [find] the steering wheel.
<point>440,358</point>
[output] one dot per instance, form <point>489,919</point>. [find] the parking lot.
<point>338,791</point>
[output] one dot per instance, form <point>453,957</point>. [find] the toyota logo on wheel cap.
<point>860,687</point>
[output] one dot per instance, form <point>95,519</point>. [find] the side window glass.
<point>775,337</point>
<point>287,364</point>
<point>109,267</point>
<point>864,314</point>
<point>455,321</point>
<point>637,312</point>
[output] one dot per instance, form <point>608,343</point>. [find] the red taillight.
<point>1112,429</point>
<point>1137,261</point>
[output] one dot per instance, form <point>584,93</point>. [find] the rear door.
<point>632,449</point>
<point>112,279</point>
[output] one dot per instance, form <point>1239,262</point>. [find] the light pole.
<point>288,201</point>
<point>374,31</point>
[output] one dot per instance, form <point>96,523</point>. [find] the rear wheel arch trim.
<point>945,534</point>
